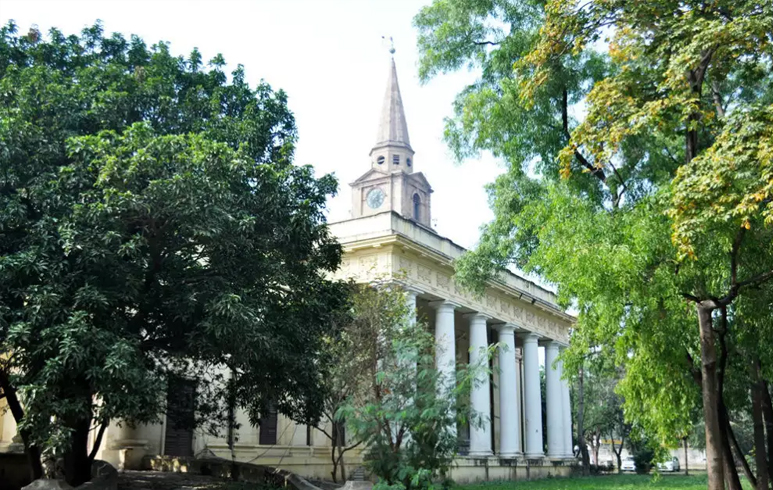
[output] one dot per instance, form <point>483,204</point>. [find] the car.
<point>628,465</point>
<point>669,464</point>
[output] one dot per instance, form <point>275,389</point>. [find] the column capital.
<point>529,337</point>
<point>444,303</point>
<point>550,343</point>
<point>476,315</point>
<point>505,328</point>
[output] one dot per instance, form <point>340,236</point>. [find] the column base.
<point>534,455</point>
<point>480,454</point>
<point>513,455</point>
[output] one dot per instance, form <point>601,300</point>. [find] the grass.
<point>608,482</point>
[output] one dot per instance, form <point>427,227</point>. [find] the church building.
<point>388,235</point>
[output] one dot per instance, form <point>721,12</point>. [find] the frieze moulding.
<point>443,281</point>
<point>500,307</point>
<point>406,267</point>
<point>424,274</point>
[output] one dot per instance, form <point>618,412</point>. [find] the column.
<point>410,302</point>
<point>509,444</point>
<point>445,344</point>
<point>532,397</point>
<point>480,434</point>
<point>554,401</point>
<point>567,413</point>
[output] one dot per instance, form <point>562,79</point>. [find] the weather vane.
<point>391,44</point>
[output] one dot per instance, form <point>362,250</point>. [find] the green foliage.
<point>408,429</point>
<point>601,196</point>
<point>152,224</point>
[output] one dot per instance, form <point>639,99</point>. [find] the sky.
<point>331,60</point>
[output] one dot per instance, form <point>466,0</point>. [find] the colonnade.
<point>512,444</point>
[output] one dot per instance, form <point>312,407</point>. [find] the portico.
<point>519,316</point>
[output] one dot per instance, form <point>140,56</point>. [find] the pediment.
<point>371,174</point>
<point>421,180</point>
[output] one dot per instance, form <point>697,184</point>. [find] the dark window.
<point>380,160</point>
<point>408,161</point>
<point>396,159</point>
<point>268,425</point>
<point>416,207</point>
<point>180,417</point>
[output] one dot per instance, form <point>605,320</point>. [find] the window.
<point>416,207</point>
<point>267,426</point>
<point>380,160</point>
<point>408,161</point>
<point>396,159</point>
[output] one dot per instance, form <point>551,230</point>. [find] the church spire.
<point>392,127</point>
<point>392,150</point>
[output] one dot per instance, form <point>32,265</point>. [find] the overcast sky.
<point>328,55</point>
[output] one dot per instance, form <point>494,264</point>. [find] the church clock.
<point>375,198</point>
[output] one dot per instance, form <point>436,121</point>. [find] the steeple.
<point>392,151</point>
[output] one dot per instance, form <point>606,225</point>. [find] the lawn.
<point>610,482</point>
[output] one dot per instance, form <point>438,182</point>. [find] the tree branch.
<point>597,172</point>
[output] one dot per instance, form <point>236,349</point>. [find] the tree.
<point>376,315</point>
<point>410,432</point>
<point>152,225</point>
<point>604,414</point>
<point>656,192</point>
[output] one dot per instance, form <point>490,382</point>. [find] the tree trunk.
<point>77,467</point>
<point>686,461</point>
<point>710,389</point>
<point>767,412</point>
<point>760,455</point>
<point>580,422</point>
<point>596,444</point>
<point>618,453</point>
<point>728,443</point>
<point>14,405</point>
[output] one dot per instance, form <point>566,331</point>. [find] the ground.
<point>142,480</point>
<point>157,480</point>
<point>609,482</point>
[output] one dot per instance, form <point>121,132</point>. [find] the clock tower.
<point>391,183</point>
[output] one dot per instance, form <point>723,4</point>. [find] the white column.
<point>509,444</point>
<point>445,344</point>
<point>566,413</point>
<point>410,302</point>
<point>554,401</point>
<point>532,397</point>
<point>480,436</point>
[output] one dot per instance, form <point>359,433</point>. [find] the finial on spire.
<point>391,45</point>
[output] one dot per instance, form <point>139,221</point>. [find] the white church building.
<point>390,234</point>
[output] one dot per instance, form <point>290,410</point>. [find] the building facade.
<point>390,236</point>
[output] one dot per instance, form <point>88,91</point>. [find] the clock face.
<point>375,198</point>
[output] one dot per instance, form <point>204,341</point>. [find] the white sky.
<point>329,57</point>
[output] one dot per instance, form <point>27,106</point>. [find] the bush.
<point>643,458</point>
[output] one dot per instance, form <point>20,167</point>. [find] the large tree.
<point>152,225</point>
<point>638,182</point>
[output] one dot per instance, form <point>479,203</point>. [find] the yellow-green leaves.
<point>730,184</point>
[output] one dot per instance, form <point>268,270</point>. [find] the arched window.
<point>408,161</point>
<point>380,160</point>
<point>396,159</point>
<point>416,207</point>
